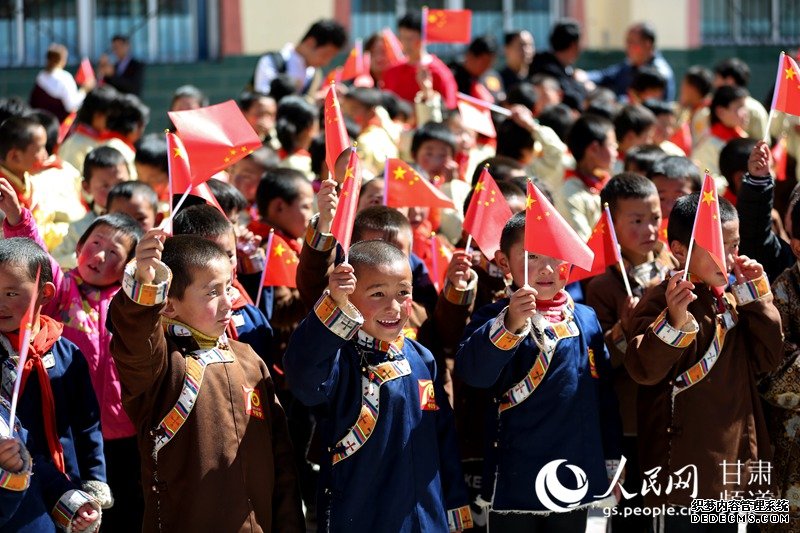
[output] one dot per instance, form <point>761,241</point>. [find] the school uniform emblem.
<point>252,402</point>
<point>427,398</point>
<point>592,365</point>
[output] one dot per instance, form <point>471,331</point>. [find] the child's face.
<point>16,290</point>
<point>206,304</point>
<point>669,191</point>
<point>636,221</point>
<point>32,157</point>
<point>666,123</point>
<point>185,103</point>
<point>432,157</point>
<point>703,266</point>
<point>155,178</point>
<point>293,218</point>
<point>138,208</point>
<point>228,243</point>
<point>418,215</point>
<point>545,274</point>
<point>632,139</point>
<point>466,139</point>
<point>372,195</point>
<point>103,180</point>
<point>261,115</point>
<point>380,295</point>
<point>246,176</point>
<point>689,96</point>
<point>735,115</point>
<point>102,257</point>
<point>604,155</point>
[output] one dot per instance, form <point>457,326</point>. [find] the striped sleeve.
<point>148,294</point>
<point>344,322</point>
<point>503,338</point>
<point>750,291</point>
<point>677,338</point>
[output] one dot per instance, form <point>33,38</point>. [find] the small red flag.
<point>392,48</point>
<point>404,187</point>
<point>682,138</point>
<point>342,225</point>
<point>437,259</point>
<point>662,230</point>
<point>336,138</point>
<point>354,64</point>
<point>215,138</point>
<point>477,119</point>
<point>779,159</point>
<point>707,230</point>
<point>786,97</point>
<point>447,25</point>
<point>180,173</point>
<point>604,245</point>
<point>486,215</point>
<point>66,126</point>
<point>85,73</point>
<point>281,264</point>
<point>547,233</point>
<point>364,78</point>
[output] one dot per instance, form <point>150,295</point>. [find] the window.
<point>750,21</point>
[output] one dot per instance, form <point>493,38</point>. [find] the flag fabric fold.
<point>707,229</point>
<point>404,187</point>
<point>280,265</point>
<point>477,119</point>
<point>786,97</point>
<point>342,225</point>
<point>604,245</point>
<point>437,259</point>
<point>180,174</point>
<point>392,48</point>
<point>487,215</point>
<point>336,138</point>
<point>85,73</point>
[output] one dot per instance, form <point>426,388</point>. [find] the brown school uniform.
<point>717,415</point>
<point>228,466</point>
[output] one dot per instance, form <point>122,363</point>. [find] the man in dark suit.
<point>127,75</point>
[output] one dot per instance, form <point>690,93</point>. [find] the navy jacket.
<point>571,415</point>
<point>406,475</point>
<point>618,77</point>
<point>253,328</point>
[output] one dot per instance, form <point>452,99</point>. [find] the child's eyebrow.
<point>375,286</point>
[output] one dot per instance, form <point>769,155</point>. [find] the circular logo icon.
<point>555,496</point>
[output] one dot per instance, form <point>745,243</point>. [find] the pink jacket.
<point>83,309</point>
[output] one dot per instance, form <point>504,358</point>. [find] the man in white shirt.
<point>323,40</point>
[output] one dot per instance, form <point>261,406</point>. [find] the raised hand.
<point>758,162</point>
<point>9,203</point>
<point>459,271</point>
<point>327,200</point>
<point>679,296</point>
<point>10,455</point>
<point>85,517</point>
<point>521,307</point>
<point>342,283</point>
<point>148,251</point>
<point>746,269</point>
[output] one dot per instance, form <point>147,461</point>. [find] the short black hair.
<point>602,101</point>
<point>659,107</point>
<point>228,197</point>
<point>734,68</point>
<point>565,33</point>
<point>187,254</point>
<point>522,93</point>
<point>643,157</point>
<point>294,116</point>
<point>189,91</point>
<point>625,186</point>
<point>500,167</point>
<point>265,157</point>
<point>98,101</point>
<point>25,253</point>
<point>585,131</point>
<point>120,223</point>
<point>13,107</point>
<point>366,96</point>
<point>125,190</point>
<point>513,232</point>
<point>723,97</point>
<point>681,218</point>
<point>152,150</point>
<point>325,32</point>
<point>120,37</point>
<point>248,99</point>
<point>646,31</point>
<point>203,220</point>
<point>483,45</point>
<point>375,253</point>
<point>512,36</point>
<point>51,126</point>
<point>281,87</point>
<point>17,133</point>
<point>733,158</point>
<point>380,218</point>
<point>513,139</point>
<point>412,20</point>
<point>432,131</point>
<point>283,183</point>
<point>633,118</point>
<point>558,118</point>
<point>700,78</point>
<point>102,157</point>
<point>677,167</point>
<point>126,114</point>
<point>397,108</point>
<point>648,77</point>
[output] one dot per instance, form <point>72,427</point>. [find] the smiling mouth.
<point>389,324</point>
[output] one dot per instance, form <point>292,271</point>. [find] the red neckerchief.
<point>462,158</point>
<point>52,162</point>
<point>283,154</point>
<point>552,309</point>
<point>40,344</point>
<point>114,135</point>
<point>87,131</point>
<point>730,196</point>
<point>724,133</point>
<point>594,183</point>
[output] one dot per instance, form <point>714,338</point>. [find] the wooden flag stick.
<point>484,104</point>
<point>25,338</point>
<point>618,250</point>
<point>468,247</point>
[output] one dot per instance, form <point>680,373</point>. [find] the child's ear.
<point>47,293</point>
<point>678,250</point>
<point>85,185</point>
<point>169,309</point>
<point>502,261</point>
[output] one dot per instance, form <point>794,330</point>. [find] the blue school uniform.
<point>253,328</point>
<point>392,462</point>
<point>546,409</point>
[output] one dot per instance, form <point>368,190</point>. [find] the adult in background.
<point>640,50</point>
<point>519,49</point>
<point>565,48</point>
<point>127,74</point>
<point>474,75</point>
<point>55,89</point>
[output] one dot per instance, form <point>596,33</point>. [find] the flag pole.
<point>691,239</point>
<point>424,45</point>
<point>484,104</point>
<point>25,339</point>
<point>618,251</point>
<point>386,181</point>
<point>268,249</point>
<point>435,262</point>
<point>774,96</point>
<point>469,244</point>
<point>177,207</point>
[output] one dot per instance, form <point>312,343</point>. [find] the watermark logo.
<point>555,496</point>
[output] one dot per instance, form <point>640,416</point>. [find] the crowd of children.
<point>407,382</point>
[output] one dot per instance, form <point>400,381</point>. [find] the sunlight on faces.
<point>638,49</point>
<point>636,221</point>
<point>380,295</point>
<point>102,257</point>
<point>32,157</point>
<point>545,274</point>
<point>185,103</point>
<point>293,217</point>
<point>246,174</point>
<point>702,266</point>
<point>103,180</point>
<point>16,290</point>
<point>418,215</point>
<point>410,40</point>
<point>322,55</point>
<point>734,115</point>
<point>261,115</point>
<point>372,194</point>
<point>432,157</point>
<point>603,155</point>
<point>228,243</point>
<point>206,303</point>
<point>669,190</point>
<point>138,208</point>
<point>155,178</point>
<point>466,139</point>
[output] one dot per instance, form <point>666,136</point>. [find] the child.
<point>640,159</point>
<point>259,110</point>
<point>389,429</point>
<point>666,126</point>
<point>103,168</point>
<point>211,434</point>
<point>91,125</point>
<point>22,151</point>
<point>674,177</point>
<point>375,143</point>
<point>570,413</point>
<point>695,352</point>
<point>634,125</point>
<point>285,201</point>
<point>594,144</point>
<point>137,200</point>
<point>126,120</point>
<point>57,404</point>
<point>247,172</point>
<point>296,124</point>
<point>152,164</point>
<point>695,94</point>
<point>728,119</point>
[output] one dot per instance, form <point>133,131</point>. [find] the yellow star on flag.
<point>279,250</point>
<point>708,197</point>
<point>529,202</point>
<point>233,151</point>
<point>178,152</point>
<point>790,73</point>
<point>348,173</point>
<point>480,187</point>
<point>399,173</point>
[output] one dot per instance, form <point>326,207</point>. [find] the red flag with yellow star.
<point>447,26</point>
<point>604,245</point>
<point>354,63</point>
<point>547,233</point>
<point>392,48</point>
<point>65,127</point>
<point>342,225</point>
<point>786,97</point>
<point>404,187</point>
<point>437,259</point>
<point>707,230</point>
<point>336,138</point>
<point>280,265</point>
<point>180,174</point>
<point>215,137</point>
<point>486,215</point>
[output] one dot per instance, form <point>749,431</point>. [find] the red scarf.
<point>40,345</point>
<point>552,309</point>
<point>724,133</point>
<point>594,182</point>
<point>88,131</point>
<point>242,300</point>
<point>114,135</point>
